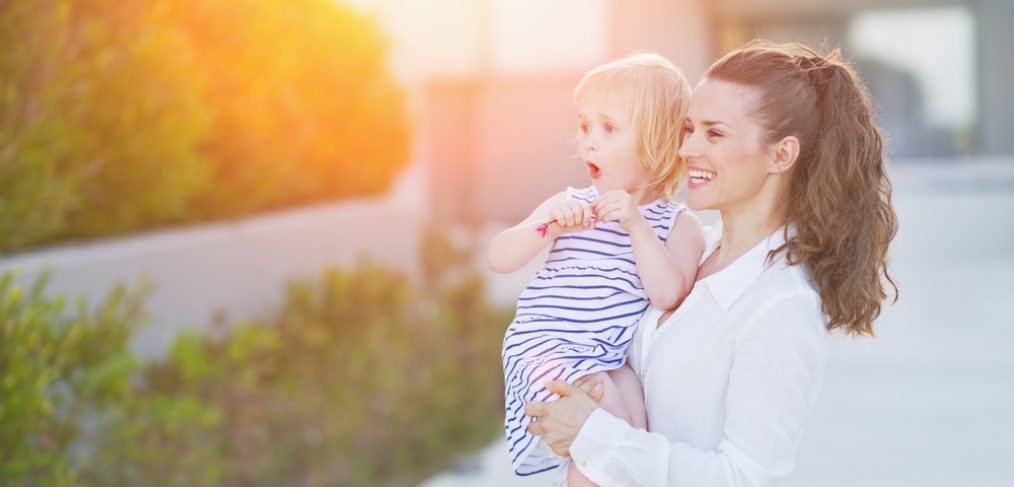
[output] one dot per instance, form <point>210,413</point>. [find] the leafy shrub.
<point>59,372</point>
<point>364,377</point>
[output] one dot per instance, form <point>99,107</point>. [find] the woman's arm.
<point>777,369</point>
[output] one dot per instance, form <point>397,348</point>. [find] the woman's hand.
<point>620,206</point>
<point>561,420</point>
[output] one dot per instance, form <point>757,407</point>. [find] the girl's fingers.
<point>604,201</point>
<point>605,210</point>
<point>587,215</point>
<point>568,216</point>
<point>609,215</point>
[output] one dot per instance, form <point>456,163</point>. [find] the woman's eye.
<point>610,128</point>
<point>714,133</point>
<point>583,128</point>
<point>688,129</point>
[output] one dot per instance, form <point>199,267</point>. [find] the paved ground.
<point>931,401</point>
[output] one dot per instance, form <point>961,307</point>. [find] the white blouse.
<point>729,379</point>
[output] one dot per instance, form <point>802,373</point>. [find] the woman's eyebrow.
<point>710,123</point>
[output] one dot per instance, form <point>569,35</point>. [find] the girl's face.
<point>607,144</point>
<point>727,161</point>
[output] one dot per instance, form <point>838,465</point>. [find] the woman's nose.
<point>688,148</point>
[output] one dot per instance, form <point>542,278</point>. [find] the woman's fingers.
<point>560,387</point>
<point>585,383</point>
<point>536,428</point>
<point>591,385</point>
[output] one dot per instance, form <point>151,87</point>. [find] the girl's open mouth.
<point>593,170</point>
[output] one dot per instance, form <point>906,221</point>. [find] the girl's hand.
<point>570,216</point>
<point>617,205</point>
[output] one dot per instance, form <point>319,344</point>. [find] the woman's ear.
<point>784,154</point>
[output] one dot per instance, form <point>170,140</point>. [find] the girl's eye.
<point>610,128</point>
<point>714,133</point>
<point>688,129</point>
<point>583,128</point>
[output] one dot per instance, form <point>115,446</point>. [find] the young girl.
<point>615,246</point>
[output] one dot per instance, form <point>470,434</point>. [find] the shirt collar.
<point>728,284</point>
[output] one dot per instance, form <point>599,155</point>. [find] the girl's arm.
<point>514,247</point>
<point>668,270</point>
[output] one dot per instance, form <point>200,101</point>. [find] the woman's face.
<point>727,161</point>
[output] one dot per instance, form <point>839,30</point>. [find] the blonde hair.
<point>656,96</point>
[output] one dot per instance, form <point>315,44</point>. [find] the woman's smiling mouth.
<point>699,177</point>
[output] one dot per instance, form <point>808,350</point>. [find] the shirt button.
<point>584,464</point>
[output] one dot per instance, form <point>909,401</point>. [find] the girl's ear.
<point>784,154</point>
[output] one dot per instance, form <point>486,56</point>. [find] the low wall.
<point>230,270</point>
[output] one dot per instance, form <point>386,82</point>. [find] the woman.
<point>782,142</point>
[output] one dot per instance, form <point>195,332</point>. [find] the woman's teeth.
<point>694,173</point>
<point>700,177</point>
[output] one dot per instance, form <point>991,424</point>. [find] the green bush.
<point>362,378</point>
<point>122,115</point>
<point>58,373</point>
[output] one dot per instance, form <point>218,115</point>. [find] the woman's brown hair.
<point>838,196</point>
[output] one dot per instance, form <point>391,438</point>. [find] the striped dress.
<point>575,318</point>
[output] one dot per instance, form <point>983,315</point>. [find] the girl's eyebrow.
<point>607,118</point>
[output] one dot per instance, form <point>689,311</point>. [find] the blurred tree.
<point>305,107</point>
<point>121,115</point>
<point>100,119</point>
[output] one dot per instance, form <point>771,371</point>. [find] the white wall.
<point>239,267</point>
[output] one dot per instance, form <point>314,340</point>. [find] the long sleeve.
<point>777,367</point>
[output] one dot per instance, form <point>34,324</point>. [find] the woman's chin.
<point>697,201</point>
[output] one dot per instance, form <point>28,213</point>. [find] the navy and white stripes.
<point>575,318</point>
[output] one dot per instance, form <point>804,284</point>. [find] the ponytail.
<point>838,196</point>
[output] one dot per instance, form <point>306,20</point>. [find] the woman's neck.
<point>744,227</point>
